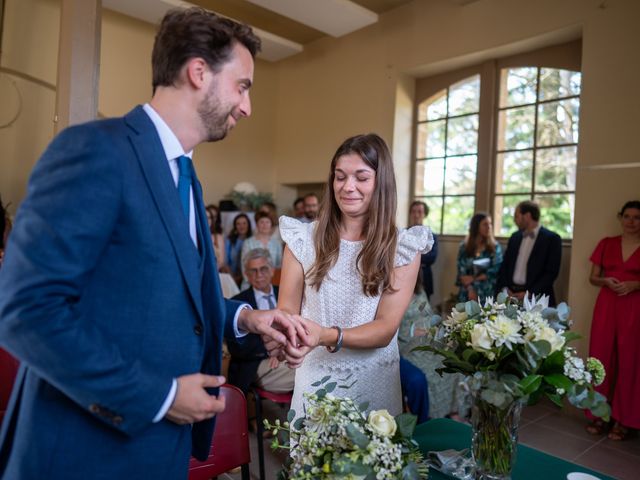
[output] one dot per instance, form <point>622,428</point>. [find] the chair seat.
<point>274,397</point>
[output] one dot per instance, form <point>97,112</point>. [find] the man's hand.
<point>274,324</point>
<point>193,403</point>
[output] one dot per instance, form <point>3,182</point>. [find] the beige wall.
<point>306,105</point>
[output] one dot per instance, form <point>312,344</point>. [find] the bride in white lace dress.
<point>350,275</point>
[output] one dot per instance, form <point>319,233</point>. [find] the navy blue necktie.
<point>184,182</point>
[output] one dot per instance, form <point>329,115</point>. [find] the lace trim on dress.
<point>297,235</point>
<point>410,242</point>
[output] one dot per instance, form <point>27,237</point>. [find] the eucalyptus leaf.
<point>406,423</point>
<point>363,406</point>
<point>356,436</point>
<point>291,414</point>
<point>321,393</point>
<point>330,387</point>
<point>410,472</point>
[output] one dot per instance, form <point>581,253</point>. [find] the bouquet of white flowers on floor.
<point>336,439</point>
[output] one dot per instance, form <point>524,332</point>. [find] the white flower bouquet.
<point>336,439</point>
<point>512,355</point>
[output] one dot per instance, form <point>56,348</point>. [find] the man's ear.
<point>196,71</point>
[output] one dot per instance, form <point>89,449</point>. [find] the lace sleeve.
<point>297,236</point>
<point>410,242</point>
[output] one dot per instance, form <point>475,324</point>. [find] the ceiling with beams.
<point>285,26</point>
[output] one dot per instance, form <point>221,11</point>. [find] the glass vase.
<point>494,438</point>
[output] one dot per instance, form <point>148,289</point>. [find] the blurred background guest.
<point>272,210</point>
<point>262,238</point>
<point>615,329</point>
<point>233,245</point>
<point>418,212</point>
<point>217,239</point>
<point>479,260</point>
<point>298,208</point>
<point>446,397</point>
<point>311,206</point>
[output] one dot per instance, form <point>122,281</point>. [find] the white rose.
<point>555,339</point>
<point>480,339</point>
<point>382,423</point>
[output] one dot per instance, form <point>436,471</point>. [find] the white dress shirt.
<point>262,299</point>
<point>526,246</point>
<point>172,150</point>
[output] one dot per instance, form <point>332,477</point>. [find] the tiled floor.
<point>543,426</point>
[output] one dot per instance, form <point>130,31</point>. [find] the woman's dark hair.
<point>234,235</point>
<point>630,204</point>
<point>217,225</point>
<point>470,243</point>
<point>196,33</point>
<point>375,262</point>
<point>260,215</point>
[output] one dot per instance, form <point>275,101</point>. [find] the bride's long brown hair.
<point>375,261</point>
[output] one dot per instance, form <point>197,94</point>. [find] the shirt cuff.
<point>167,402</point>
<point>240,333</point>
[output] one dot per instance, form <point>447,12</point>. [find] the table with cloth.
<point>442,434</point>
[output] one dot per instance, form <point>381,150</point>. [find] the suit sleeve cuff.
<point>240,333</point>
<point>167,402</point>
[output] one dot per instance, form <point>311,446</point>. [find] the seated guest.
<point>272,210</point>
<point>233,245</point>
<point>263,238</point>
<point>532,260</point>
<point>215,229</point>
<point>479,260</point>
<point>249,359</point>
<point>415,390</point>
<point>446,397</point>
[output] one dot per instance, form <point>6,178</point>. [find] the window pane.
<point>464,96</point>
<point>460,175</point>
<point>558,122</point>
<point>517,86</point>
<point>556,83</point>
<point>433,107</point>
<point>462,135</point>
<point>457,213</point>
<point>434,219</point>
<point>556,169</point>
<point>429,177</point>
<point>514,171</point>
<point>505,207</point>
<point>431,139</point>
<point>556,213</point>
<point>515,128</point>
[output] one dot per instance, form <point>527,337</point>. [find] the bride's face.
<point>353,185</point>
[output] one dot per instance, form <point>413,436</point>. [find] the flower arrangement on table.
<point>512,355</point>
<point>335,438</point>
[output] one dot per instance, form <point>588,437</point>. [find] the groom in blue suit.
<point>109,294</point>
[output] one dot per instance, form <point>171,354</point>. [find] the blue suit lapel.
<point>148,148</point>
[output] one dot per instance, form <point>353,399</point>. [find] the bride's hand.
<point>308,331</point>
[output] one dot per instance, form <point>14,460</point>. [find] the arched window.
<point>537,145</point>
<point>447,155</point>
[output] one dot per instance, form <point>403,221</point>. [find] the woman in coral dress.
<point>615,330</point>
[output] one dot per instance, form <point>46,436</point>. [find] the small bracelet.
<point>338,343</point>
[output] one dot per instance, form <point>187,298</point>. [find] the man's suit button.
<point>197,329</point>
<point>93,408</point>
<point>117,420</point>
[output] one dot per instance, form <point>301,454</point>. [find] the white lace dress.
<point>341,301</point>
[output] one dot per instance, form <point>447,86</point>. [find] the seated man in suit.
<point>249,359</point>
<point>532,260</point>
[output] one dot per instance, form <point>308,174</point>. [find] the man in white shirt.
<point>532,259</point>
<point>109,293</point>
<point>250,362</point>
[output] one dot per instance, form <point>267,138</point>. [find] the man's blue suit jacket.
<point>105,299</point>
<point>543,266</point>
